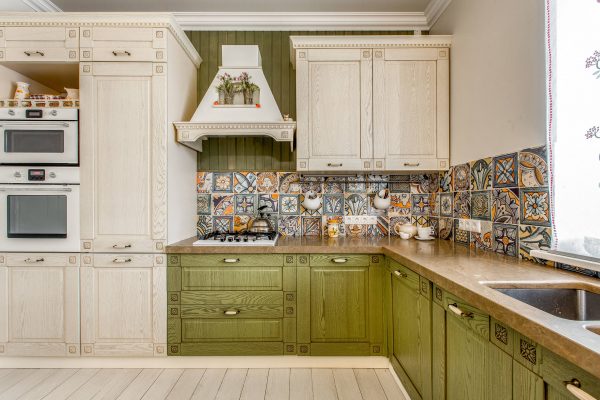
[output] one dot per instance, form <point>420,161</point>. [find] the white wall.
<point>8,79</point>
<point>497,76</point>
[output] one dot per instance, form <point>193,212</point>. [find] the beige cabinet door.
<point>123,156</point>
<point>334,105</point>
<point>410,109</point>
<point>39,304</point>
<point>39,44</point>
<point>123,305</point>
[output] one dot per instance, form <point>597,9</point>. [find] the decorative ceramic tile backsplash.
<point>507,193</point>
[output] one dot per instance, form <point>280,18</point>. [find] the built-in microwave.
<point>39,136</point>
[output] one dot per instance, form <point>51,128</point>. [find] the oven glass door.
<point>37,216</point>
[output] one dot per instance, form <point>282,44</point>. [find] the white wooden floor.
<point>200,384</point>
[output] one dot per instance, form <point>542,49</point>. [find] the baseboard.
<point>198,362</point>
<point>398,382</point>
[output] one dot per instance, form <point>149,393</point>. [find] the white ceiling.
<point>244,5</point>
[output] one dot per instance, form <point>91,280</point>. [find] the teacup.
<point>425,231</point>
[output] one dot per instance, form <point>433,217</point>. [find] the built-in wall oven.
<point>39,209</point>
<point>39,136</point>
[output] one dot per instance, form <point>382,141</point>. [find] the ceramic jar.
<point>22,91</point>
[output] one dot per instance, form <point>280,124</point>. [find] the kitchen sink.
<point>568,303</point>
<point>593,329</point>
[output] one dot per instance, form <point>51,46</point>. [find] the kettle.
<point>261,224</point>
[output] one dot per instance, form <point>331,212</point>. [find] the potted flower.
<point>227,88</point>
<point>247,87</point>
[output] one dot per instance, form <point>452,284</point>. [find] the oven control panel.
<point>50,175</point>
<point>36,174</point>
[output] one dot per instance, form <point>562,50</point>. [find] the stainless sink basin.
<point>593,329</point>
<point>573,304</point>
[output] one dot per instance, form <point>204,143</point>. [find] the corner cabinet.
<point>372,103</point>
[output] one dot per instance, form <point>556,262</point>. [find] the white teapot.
<point>382,200</point>
<point>312,201</point>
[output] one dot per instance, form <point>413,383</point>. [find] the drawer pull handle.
<point>400,273</point>
<point>408,164</point>
<point>574,386</point>
<point>339,260</point>
<point>122,260</point>
<point>121,246</point>
<point>231,312</point>
<point>34,53</point>
<point>334,165</point>
<point>231,260</point>
<point>456,310</point>
<point>117,53</point>
<point>32,261</point>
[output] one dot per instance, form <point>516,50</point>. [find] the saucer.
<point>424,238</point>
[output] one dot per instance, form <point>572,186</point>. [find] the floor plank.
<point>185,386</point>
<point>323,384</point>
<point>5,371</point>
<point>49,384</point>
<point>120,383</point>
<point>209,384</point>
<point>140,384</point>
<point>14,377</point>
<point>390,387</point>
<point>24,385</point>
<point>233,382</point>
<point>255,385</point>
<point>346,385</point>
<point>66,388</point>
<point>103,378</point>
<point>301,384</point>
<point>278,384</point>
<point>369,384</point>
<point>163,384</point>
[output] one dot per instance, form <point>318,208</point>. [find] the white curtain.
<point>574,124</point>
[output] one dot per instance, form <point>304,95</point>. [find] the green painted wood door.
<point>554,394</point>
<point>411,318</point>
<point>498,373</point>
<point>526,384</point>
<point>339,304</point>
<point>438,352</point>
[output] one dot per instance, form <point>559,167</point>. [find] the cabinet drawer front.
<point>232,311</point>
<point>118,34</point>
<point>471,316</point>
<point>558,372</point>
<point>237,260</point>
<point>232,297</point>
<point>40,54</point>
<point>416,164</point>
<point>347,260</point>
<point>122,245</point>
<point>41,260</point>
<point>123,260</point>
<point>232,278</point>
<point>125,52</point>
<point>222,330</point>
<point>405,275</point>
<point>39,34</point>
<point>332,164</point>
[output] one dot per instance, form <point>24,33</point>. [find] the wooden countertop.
<point>466,273</point>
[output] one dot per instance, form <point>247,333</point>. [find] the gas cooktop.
<point>237,239</point>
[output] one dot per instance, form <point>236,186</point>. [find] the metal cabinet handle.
<point>456,310</point>
<point>231,312</point>
<point>400,273</point>
<point>32,261</point>
<point>231,260</point>
<point>339,260</point>
<point>121,246</point>
<point>34,53</point>
<point>407,164</point>
<point>574,386</point>
<point>334,164</point>
<point>122,260</point>
<point>117,53</point>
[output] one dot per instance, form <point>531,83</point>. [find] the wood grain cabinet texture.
<point>34,44</point>
<point>39,304</point>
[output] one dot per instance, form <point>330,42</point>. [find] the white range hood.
<point>212,119</point>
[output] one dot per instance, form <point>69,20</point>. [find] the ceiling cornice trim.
<point>273,21</point>
<point>434,10</point>
<point>42,5</point>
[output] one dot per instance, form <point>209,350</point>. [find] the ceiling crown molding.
<point>434,10</point>
<point>42,5</point>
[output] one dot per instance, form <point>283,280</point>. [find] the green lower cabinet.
<point>526,384</point>
<point>499,373</point>
<point>438,350</point>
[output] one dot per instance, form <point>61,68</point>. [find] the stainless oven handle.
<point>20,124</point>
<point>36,189</point>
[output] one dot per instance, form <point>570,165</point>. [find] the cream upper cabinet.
<point>411,109</point>
<point>334,106</point>
<point>39,44</point>
<point>123,44</point>
<point>376,103</point>
<point>123,157</point>
<point>39,304</point>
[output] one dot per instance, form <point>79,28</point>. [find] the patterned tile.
<point>333,185</point>
<point>203,225</point>
<point>222,182</point>
<point>375,183</point>
<point>420,204</point>
<point>312,184</point>
<point>534,238</point>
<point>462,205</point>
<point>381,228</point>
<point>355,204</point>
<point>245,204</point>
<point>460,236</point>
<point>446,180</point>
<point>289,183</point>
<point>269,200</point>
<point>204,182</point>
<point>481,205</point>
<point>434,202</point>
<point>311,213</point>
<point>372,210</point>
<point>203,204</point>
<point>483,240</point>
<point>582,271</point>
<point>267,182</point>
<point>333,204</point>
<point>446,204</point>
<point>400,183</point>
<point>505,239</point>
<point>290,226</point>
<point>356,184</point>
<point>446,228</point>
<point>400,205</point>
<point>461,179</point>
<point>420,220</point>
<point>289,204</point>
<point>535,206</point>
<point>396,223</point>
<point>505,206</point>
<point>244,182</point>
<point>356,231</point>
<point>481,174</point>
<point>425,183</point>
<point>240,223</point>
<point>222,204</point>
<point>505,171</point>
<point>311,226</point>
<point>533,167</point>
<point>434,223</point>
<point>222,224</point>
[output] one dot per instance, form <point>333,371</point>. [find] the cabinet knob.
<point>231,260</point>
<point>574,386</point>
<point>339,260</point>
<point>456,310</point>
<point>231,312</point>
